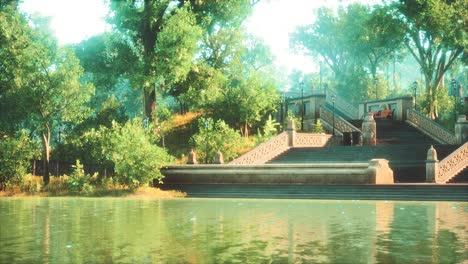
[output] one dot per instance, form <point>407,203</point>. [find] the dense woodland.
<point>175,75</point>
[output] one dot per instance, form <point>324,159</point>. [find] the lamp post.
<point>333,124</point>
<point>455,94</point>
<point>302,106</point>
<point>320,73</point>
<point>283,106</point>
<point>207,125</point>
<point>415,88</point>
<point>375,86</point>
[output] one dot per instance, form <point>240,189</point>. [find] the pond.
<point>120,230</point>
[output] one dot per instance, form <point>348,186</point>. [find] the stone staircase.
<point>406,192</point>
<point>403,145</point>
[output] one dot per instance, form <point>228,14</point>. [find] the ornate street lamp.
<point>207,125</point>
<point>375,86</point>
<point>333,125</point>
<point>415,88</point>
<point>302,106</point>
<point>320,71</point>
<point>455,94</point>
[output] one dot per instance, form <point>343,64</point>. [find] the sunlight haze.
<point>272,21</point>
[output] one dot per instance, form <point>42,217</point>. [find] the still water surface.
<point>119,230</point>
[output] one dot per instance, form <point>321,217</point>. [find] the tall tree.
<point>351,42</point>
<point>436,37</point>
<point>164,35</point>
<point>42,79</point>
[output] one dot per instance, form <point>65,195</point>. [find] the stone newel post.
<point>192,158</point>
<point>461,129</point>
<point>291,132</point>
<point>432,165</point>
<point>369,130</point>
<point>219,158</point>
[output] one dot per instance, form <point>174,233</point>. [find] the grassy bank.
<point>57,187</point>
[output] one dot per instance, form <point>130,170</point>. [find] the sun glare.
<point>72,21</point>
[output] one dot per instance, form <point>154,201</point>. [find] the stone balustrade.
<point>342,105</point>
<point>341,125</point>
<point>430,128</point>
<point>444,170</point>
<point>281,143</point>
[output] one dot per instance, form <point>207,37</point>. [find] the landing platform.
<point>395,192</point>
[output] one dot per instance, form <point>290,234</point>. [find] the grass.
<point>33,186</point>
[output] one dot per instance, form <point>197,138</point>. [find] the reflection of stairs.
<point>404,146</point>
<point>332,192</point>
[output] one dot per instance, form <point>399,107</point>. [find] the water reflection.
<point>105,230</point>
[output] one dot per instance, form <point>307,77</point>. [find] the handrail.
<point>431,128</point>
<point>311,140</point>
<point>265,151</point>
<point>453,164</point>
<point>342,105</point>
<point>279,144</point>
<point>340,123</point>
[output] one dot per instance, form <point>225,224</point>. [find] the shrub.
<point>137,159</point>
<point>214,136</point>
<point>80,182</point>
<point>318,128</point>
<point>15,155</point>
<point>269,131</point>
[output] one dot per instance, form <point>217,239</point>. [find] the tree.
<point>164,36</point>
<point>436,37</point>
<point>353,43</point>
<point>41,78</point>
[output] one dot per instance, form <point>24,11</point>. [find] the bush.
<point>137,159</point>
<point>15,155</point>
<point>318,128</point>
<point>269,131</point>
<point>79,182</point>
<point>214,136</point>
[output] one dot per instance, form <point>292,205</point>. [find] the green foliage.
<point>290,116</point>
<point>354,43</point>
<point>270,129</point>
<point>436,37</point>
<point>176,46</point>
<point>136,158</point>
<point>213,136</point>
<point>15,155</point>
<point>318,127</point>
<point>79,182</point>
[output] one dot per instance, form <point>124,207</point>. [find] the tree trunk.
<point>46,153</point>
<point>150,104</point>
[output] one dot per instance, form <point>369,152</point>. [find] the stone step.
<point>424,192</point>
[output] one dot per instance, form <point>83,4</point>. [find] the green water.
<point>119,230</point>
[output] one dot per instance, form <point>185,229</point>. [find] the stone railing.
<point>281,143</point>
<point>311,140</point>
<point>453,164</point>
<point>342,105</point>
<point>265,151</point>
<point>340,124</point>
<point>430,128</point>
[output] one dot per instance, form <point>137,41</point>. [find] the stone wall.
<point>375,172</point>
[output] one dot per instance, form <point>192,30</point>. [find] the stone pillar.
<point>369,130</point>
<point>219,158</point>
<point>461,129</point>
<point>291,132</point>
<point>192,158</point>
<point>432,165</point>
<point>380,172</point>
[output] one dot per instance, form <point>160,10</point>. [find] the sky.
<point>272,20</point>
